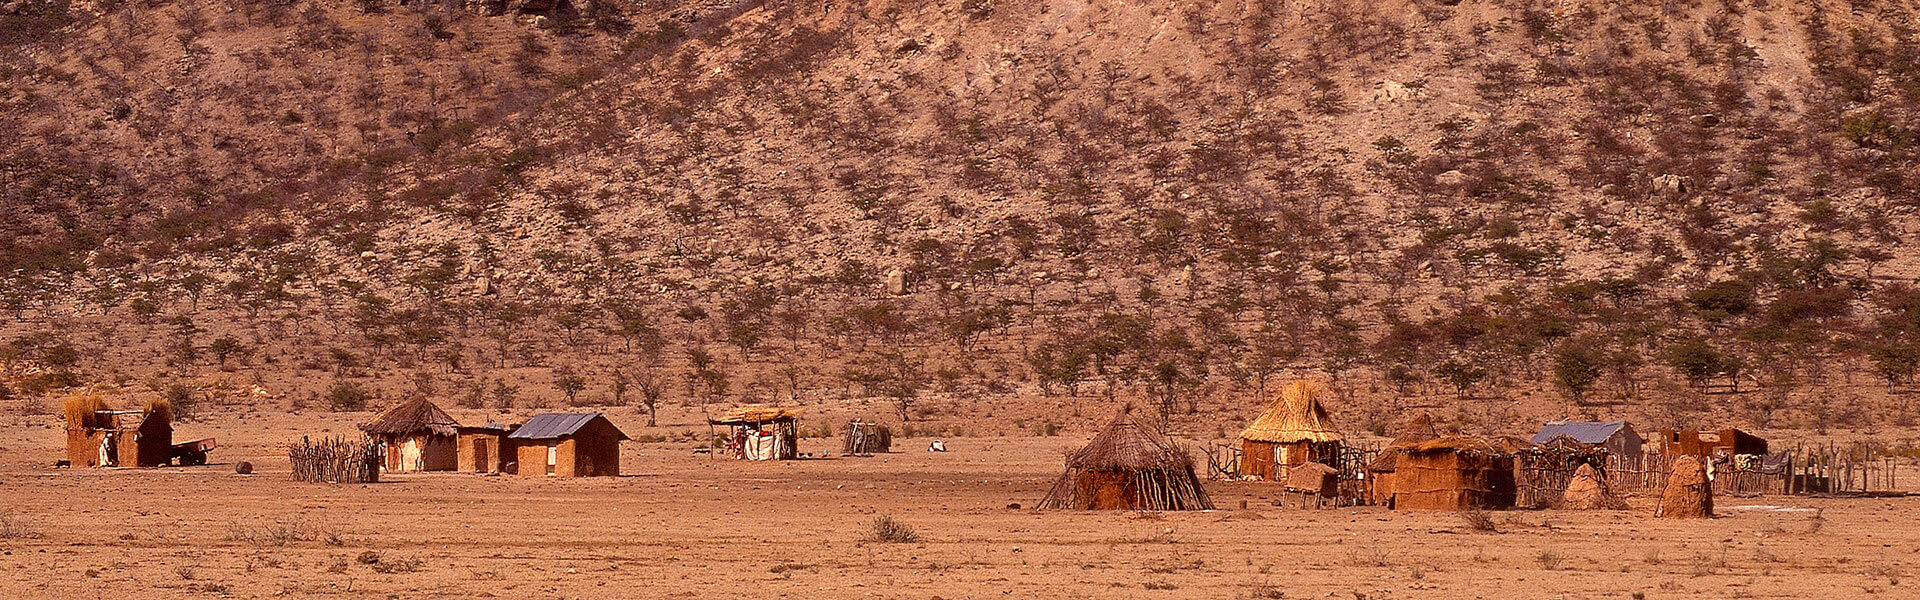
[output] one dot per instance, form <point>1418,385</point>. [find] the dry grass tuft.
<point>282,533</point>
<point>889,530</point>
<point>12,528</point>
<point>1479,520</point>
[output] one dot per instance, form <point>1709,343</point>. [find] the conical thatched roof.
<point>1295,415</point>
<point>413,416</point>
<point>1417,429</point>
<point>1129,444</point>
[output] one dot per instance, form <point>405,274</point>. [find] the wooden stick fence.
<point>1856,468</point>
<point>335,460</point>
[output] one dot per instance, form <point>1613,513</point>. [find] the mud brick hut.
<point>1380,471</point>
<point>762,432</point>
<point>1728,441</point>
<point>484,449</point>
<point>1294,430</point>
<point>567,445</point>
<point>1128,466</point>
<point>101,437</point>
<point>1453,473</point>
<point>1618,437</point>
<point>416,436</point>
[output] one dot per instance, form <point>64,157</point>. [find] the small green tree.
<point>1577,364</point>
<point>347,396</point>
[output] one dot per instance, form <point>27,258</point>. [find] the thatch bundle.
<point>1129,465</point>
<point>160,407</point>
<point>1688,495</point>
<point>1588,491</point>
<point>413,417</point>
<point>86,410</point>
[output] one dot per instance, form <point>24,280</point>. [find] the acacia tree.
<point>1577,365</point>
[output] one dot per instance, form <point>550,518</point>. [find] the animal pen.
<point>1128,466</point>
<point>335,460</point>
<point>1859,468</point>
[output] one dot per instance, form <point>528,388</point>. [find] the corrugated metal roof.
<point>1585,432</point>
<point>552,425</point>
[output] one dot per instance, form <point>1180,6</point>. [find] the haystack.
<point>1294,430</point>
<point>1688,495</point>
<point>417,436</point>
<point>1588,491</point>
<point>1128,466</point>
<point>1453,473</point>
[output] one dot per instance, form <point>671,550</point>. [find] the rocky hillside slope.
<point>1689,212</point>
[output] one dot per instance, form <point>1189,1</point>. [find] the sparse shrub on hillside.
<point>347,396</point>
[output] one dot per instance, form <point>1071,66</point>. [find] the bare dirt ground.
<point>680,524</point>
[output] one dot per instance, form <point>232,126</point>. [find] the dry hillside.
<point>1681,212</point>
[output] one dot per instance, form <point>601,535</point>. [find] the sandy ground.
<point>685,525</point>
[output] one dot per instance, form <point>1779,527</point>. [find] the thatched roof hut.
<point>1416,430</point>
<point>1295,429</point>
<point>1128,466</point>
<point>1689,495</point>
<point>416,436</point>
<point>1453,473</point>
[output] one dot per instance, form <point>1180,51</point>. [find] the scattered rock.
<point>1705,120</point>
<point>243,468</point>
<point>1451,178</point>
<point>897,282</point>
<point>1394,91</point>
<point>1670,185</point>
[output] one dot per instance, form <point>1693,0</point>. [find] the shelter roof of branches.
<point>762,432</point>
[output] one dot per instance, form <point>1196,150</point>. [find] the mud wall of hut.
<point>1447,480</point>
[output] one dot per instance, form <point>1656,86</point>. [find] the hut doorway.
<point>553,456</point>
<point>481,456</point>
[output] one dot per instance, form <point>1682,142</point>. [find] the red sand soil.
<point>680,524</point>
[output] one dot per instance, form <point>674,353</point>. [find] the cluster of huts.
<point>417,436</point>
<point>1129,464</point>
<point>1294,442</point>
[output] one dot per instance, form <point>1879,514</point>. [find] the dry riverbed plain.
<point>682,524</point>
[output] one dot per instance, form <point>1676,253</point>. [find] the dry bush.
<point>889,530</point>
<point>12,528</point>
<point>1549,560</point>
<point>282,533</point>
<point>1479,520</point>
